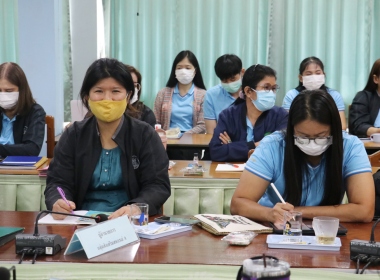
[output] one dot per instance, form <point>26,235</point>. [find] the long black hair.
<point>108,68</point>
<point>303,66</point>
<point>371,86</point>
<point>252,77</point>
<point>198,80</point>
<point>319,106</point>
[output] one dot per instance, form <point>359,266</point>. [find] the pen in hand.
<point>64,198</point>
<point>279,195</point>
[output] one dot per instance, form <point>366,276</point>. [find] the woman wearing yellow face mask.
<point>109,160</point>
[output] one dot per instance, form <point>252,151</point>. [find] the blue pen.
<point>61,192</point>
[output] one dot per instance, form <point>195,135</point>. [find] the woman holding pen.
<point>312,164</point>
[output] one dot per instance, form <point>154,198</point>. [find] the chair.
<point>50,137</point>
<point>374,159</point>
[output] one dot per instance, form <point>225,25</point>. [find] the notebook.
<point>22,162</point>
<point>158,230</point>
<point>227,167</point>
<point>8,233</point>
<point>224,224</point>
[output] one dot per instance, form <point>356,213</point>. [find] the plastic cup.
<point>292,227</point>
<point>326,229</point>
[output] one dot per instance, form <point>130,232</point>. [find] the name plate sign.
<point>103,237</point>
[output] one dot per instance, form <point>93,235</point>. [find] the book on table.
<point>8,233</point>
<point>224,224</point>
<point>22,162</point>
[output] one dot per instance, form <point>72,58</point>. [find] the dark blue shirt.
<point>233,121</point>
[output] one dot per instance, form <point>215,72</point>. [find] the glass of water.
<point>140,214</point>
<point>292,227</point>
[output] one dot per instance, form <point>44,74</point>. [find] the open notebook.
<point>225,224</point>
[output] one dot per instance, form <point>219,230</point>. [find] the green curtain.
<point>67,65</point>
<point>149,34</point>
<point>8,31</point>
<point>344,34</point>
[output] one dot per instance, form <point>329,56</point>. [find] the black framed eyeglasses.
<point>318,140</point>
<point>269,87</point>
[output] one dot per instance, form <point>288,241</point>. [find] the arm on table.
<point>245,200</point>
<point>361,206</point>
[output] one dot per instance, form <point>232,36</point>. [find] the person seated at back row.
<point>242,126</point>
<point>180,103</point>
<point>312,164</point>
<point>312,76</point>
<point>109,160</point>
<point>230,71</point>
<point>22,120</point>
<point>365,108</point>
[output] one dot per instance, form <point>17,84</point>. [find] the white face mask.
<point>8,99</point>
<point>184,76</point>
<point>313,81</point>
<point>135,96</point>
<point>312,149</point>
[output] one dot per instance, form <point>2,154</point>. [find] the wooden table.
<point>193,247</point>
<point>209,174</point>
<point>370,145</point>
<point>24,171</point>
<point>191,140</point>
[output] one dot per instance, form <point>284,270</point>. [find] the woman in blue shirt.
<point>312,76</point>
<point>22,120</point>
<point>312,165</point>
<point>252,116</point>
<point>180,103</point>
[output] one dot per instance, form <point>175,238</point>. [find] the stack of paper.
<point>43,172</point>
<point>157,230</point>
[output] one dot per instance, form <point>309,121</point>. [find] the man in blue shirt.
<point>230,71</point>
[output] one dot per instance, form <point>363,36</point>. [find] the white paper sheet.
<point>227,167</point>
<point>48,220</point>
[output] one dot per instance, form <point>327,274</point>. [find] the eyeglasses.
<point>318,140</point>
<point>138,86</point>
<point>269,87</point>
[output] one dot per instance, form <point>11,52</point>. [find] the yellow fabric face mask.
<point>108,110</point>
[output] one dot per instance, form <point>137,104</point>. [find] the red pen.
<point>234,165</point>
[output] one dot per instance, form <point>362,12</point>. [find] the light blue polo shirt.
<point>249,131</point>
<point>217,99</point>
<point>291,94</point>
<point>182,109</point>
<point>267,162</point>
<point>6,136</point>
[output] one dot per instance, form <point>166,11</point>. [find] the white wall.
<point>84,39</point>
<point>40,54</point>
